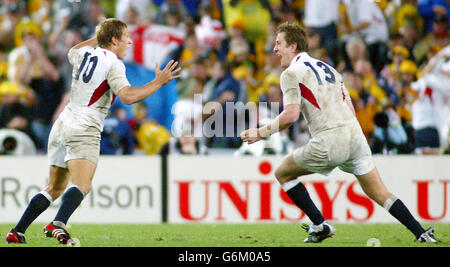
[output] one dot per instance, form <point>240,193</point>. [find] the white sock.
<point>389,201</point>
<point>288,185</point>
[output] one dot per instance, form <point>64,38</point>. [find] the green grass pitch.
<point>227,235</point>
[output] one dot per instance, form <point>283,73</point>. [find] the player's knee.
<point>55,193</point>
<point>281,176</point>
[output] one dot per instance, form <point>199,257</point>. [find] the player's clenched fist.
<point>169,72</point>
<point>251,135</point>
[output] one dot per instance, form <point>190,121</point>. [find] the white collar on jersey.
<point>298,56</point>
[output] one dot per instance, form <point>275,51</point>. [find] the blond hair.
<point>294,34</point>
<point>109,29</point>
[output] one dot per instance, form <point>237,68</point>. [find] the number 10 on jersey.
<point>91,64</point>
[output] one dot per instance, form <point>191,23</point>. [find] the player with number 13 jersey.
<point>321,93</point>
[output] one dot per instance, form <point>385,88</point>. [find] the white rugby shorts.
<point>66,143</point>
<point>344,147</point>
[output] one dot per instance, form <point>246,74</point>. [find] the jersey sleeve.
<point>290,88</point>
<point>116,77</point>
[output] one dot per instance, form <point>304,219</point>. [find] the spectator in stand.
<point>323,21</point>
<point>79,15</point>
<point>190,51</point>
<point>170,6</point>
<point>368,20</point>
<point>187,130</point>
<point>370,85</point>
<point>3,65</point>
<point>12,16</point>
<point>355,50</point>
<point>364,102</point>
<point>406,95</point>
<point>249,12</point>
<point>365,114</point>
<point>404,13</point>
<point>430,9</point>
<point>24,61</point>
<point>192,79</point>
<point>151,137</point>
<point>174,19</point>
<point>144,9</point>
<point>13,114</point>
<point>410,35</point>
<point>211,34</point>
<point>29,66</point>
<point>437,39</point>
<point>391,72</point>
<point>389,136</point>
<point>430,112</point>
<point>117,136</point>
<point>226,89</point>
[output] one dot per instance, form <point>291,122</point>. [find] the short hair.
<point>107,30</point>
<point>294,34</point>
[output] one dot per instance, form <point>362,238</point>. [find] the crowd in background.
<point>394,57</point>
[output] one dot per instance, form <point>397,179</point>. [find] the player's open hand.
<point>251,135</point>
<point>169,72</point>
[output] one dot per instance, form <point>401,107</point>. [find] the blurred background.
<point>394,57</point>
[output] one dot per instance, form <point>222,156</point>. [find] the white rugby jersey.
<point>97,77</point>
<point>320,91</point>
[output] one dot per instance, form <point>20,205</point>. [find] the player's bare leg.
<point>57,183</point>
<point>289,170</point>
<point>39,203</point>
<point>287,174</point>
<point>82,171</point>
<point>375,189</point>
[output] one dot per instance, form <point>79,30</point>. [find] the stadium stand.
<point>395,65</point>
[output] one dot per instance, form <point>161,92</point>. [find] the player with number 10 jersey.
<point>74,141</point>
<point>98,76</point>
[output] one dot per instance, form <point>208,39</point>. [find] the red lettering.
<point>240,203</point>
<point>360,200</point>
<point>327,202</point>
<point>423,197</point>
<point>184,201</point>
<point>265,201</point>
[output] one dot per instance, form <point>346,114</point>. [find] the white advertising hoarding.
<point>227,189</point>
<point>214,189</point>
<point>125,190</point>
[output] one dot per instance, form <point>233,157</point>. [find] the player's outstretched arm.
<point>286,118</point>
<point>130,95</point>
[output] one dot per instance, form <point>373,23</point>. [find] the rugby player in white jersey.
<point>74,142</point>
<point>317,90</point>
